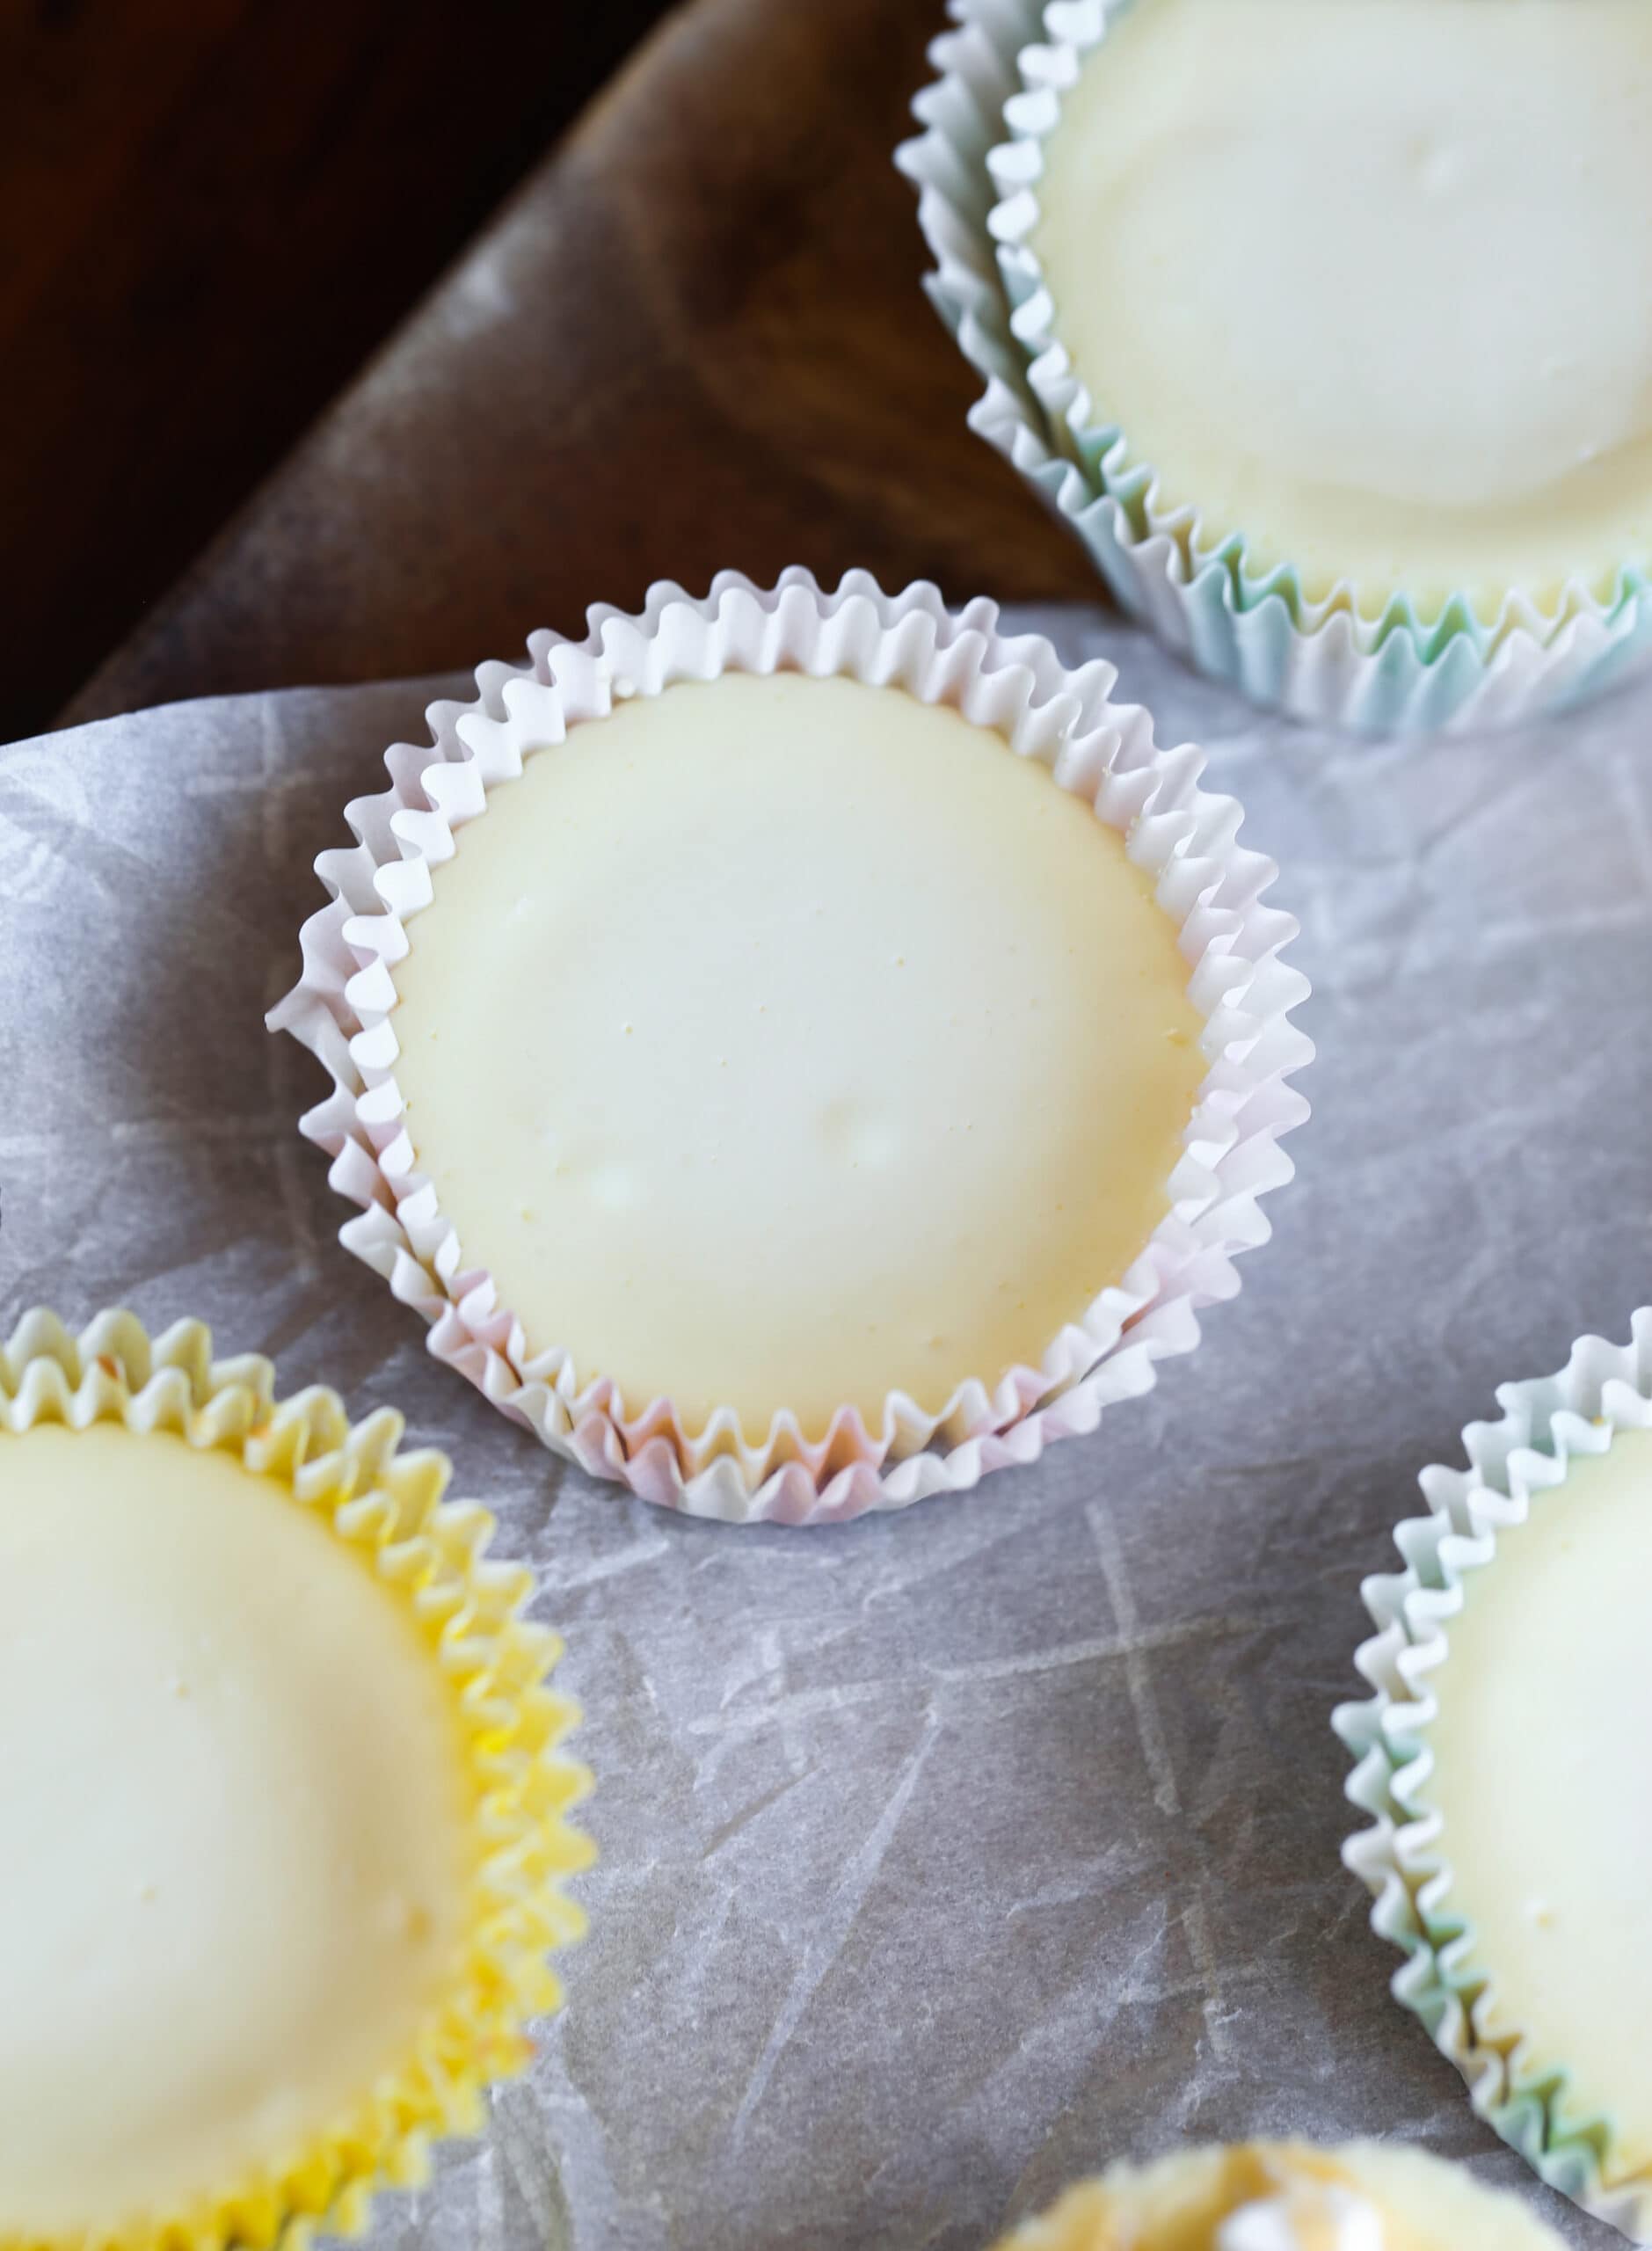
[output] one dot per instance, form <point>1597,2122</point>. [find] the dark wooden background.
<point>210,212</point>
<point>693,336</point>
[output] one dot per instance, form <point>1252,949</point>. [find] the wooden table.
<point>211,212</point>
<point>695,337</point>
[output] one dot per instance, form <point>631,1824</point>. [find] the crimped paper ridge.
<point>341,1009</point>
<point>1545,1422</point>
<point>1119,2207</point>
<point>432,1553</point>
<point>1001,74</point>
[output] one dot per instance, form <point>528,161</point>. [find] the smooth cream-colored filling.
<point>1287,2197</point>
<point>233,1825</point>
<point>781,1043</point>
<point>1539,1753</point>
<point>1368,281</point>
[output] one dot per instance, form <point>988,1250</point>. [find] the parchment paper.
<point>948,1855</point>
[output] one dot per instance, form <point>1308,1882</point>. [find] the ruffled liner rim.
<point>978,209</point>
<point>1205,2182</point>
<point>431,1553</point>
<point>342,1009</point>
<point>1400,1857</point>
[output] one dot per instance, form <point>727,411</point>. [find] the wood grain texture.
<point>211,211</point>
<point>695,339</point>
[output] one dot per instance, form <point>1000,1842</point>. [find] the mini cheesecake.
<point>1365,283</point>
<point>1286,2196</point>
<point>237,1827</point>
<point>283,1809</point>
<point>1538,1747</point>
<point>778,1043</point>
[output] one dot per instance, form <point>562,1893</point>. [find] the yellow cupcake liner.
<point>1082,2220</point>
<point>1132,2204</point>
<point>432,1553</point>
<point>1188,2187</point>
<point>1179,2198</point>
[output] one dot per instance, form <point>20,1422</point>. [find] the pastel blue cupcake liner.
<point>1002,72</point>
<point>1403,1856</point>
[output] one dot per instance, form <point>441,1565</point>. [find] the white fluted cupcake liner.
<point>1001,74</point>
<point>343,1009</point>
<point>1399,1857</point>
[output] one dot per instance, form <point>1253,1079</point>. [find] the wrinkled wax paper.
<point>946,1854</point>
